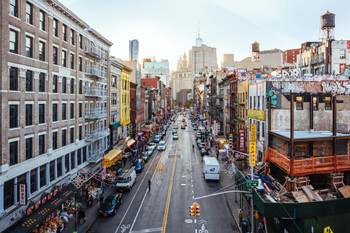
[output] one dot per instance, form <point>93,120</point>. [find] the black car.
<point>202,145</point>
<point>204,152</point>
<point>111,204</point>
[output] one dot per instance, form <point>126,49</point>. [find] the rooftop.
<point>307,134</point>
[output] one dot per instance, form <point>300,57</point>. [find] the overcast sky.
<point>168,28</point>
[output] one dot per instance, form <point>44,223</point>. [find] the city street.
<point>164,210</point>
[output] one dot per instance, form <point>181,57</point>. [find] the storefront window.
<point>20,180</point>
<point>33,181</point>
<point>72,158</point>
<point>84,154</point>
<point>9,197</point>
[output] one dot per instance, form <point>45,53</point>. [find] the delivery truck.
<point>211,168</point>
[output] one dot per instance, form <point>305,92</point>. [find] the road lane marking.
<point>183,176</point>
<point>165,219</point>
<point>148,230</point>
<point>138,211</point>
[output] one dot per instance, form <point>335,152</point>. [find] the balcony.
<point>309,166</point>
<point>96,72</point>
<point>93,52</point>
<point>95,114</point>
<point>95,92</point>
<point>317,59</point>
<point>95,135</point>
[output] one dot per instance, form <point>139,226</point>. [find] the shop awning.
<point>29,222</point>
<point>130,143</point>
<point>112,157</point>
<point>116,125</point>
<point>145,129</point>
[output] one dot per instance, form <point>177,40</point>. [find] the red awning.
<point>130,143</point>
<point>145,129</point>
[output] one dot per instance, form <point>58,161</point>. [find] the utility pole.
<point>251,198</point>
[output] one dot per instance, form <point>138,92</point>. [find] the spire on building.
<point>199,40</point>
<point>179,64</point>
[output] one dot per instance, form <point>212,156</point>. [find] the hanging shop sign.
<point>256,114</point>
<point>252,152</point>
<point>22,194</point>
<point>241,140</point>
<point>230,140</point>
<point>253,132</point>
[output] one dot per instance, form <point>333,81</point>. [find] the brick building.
<point>290,56</point>
<point>54,97</point>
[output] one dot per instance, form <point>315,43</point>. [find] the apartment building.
<point>54,100</point>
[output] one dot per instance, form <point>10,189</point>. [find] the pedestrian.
<point>149,184</point>
<point>123,159</point>
<point>240,218</point>
<point>81,215</point>
<point>101,199</point>
<point>91,200</point>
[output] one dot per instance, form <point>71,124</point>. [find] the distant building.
<point>133,50</point>
<point>202,57</point>
<point>290,56</point>
<point>160,69</point>
<point>227,60</point>
<point>183,94</point>
<point>133,110</point>
<point>182,78</point>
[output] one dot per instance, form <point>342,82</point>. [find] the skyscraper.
<point>202,57</point>
<point>133,50</point>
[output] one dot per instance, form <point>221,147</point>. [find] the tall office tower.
<point>133,50</point>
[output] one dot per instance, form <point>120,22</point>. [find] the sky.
<point>167,29</point>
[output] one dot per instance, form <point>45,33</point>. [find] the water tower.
<point>327,26</point>
<point>255,51</point>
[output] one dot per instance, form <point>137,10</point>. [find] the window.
<point>328,103</point>
<point>80,87</point>
<point>29,114</point>
<point>66,163</point>
<point>80,132</point>
<point>64,111</point>
<point>72,37</point>
<point>29,80</point>
<point>54,84</point>
<point>29,46</point>
<point>29,148</point>
<point>54,140</point>
<point>64,85</point>
<point>14,8</point>
<point>13,79</point>
<point>54,112</point>
<point>72,84</point>
<point>42,20</point>
<point>71,135</point>
<point>43,176</point>
<point>42,51</point>
<point>55,27</point>
<point>254,102</point>
<point>314,103</point>
<point>41,144</point>
<point>42,82</point>
<point>13,153</point>
<point>59,167</point>
<point>64,137</point>
<point>81,41</point>
<point>250,102</point>
<point>41,113</point>
<point>72,61</point>
<point>29,13</point>
<point>299,102</point>
<point>72,160</point>
<point>54,55</point>
<point>342,54</point>
<point>13,116</point>
<point>84,154</point>
<point>52,171</point>
<point>79,156</point>
<point>71,110</point>
<point>64,58</point>
<point>9,194</point>
<point>33,181</point>
<point>258,102</point>
<point>64,32</point>
<point>80,110</point>
<point>13,41</point>
<point>80,64</point>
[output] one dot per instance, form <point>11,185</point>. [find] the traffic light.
<point>273,100</point>
<point>197,209</point>
<point>192,210</point>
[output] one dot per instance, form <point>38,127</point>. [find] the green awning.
<point>116,125</point>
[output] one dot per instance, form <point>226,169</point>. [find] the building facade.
<point>54,94</point>
<point>182,77</point>
<point>125,100</point>
<point>159,69</point>
<point>133,50</point>
<point>242,110</point>
<point>290,56</point>
<point>202,57</point>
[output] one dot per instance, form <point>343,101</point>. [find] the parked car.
<point>183,127</point>
<point>161,145</point>
<point>139,164</point>
<point>203,152</point>
<point>176,126</point>
<point>111,204</point>
<point>175,137</point>
<point>145,156</point>
<point>157,138</point>
<point>126,179</point>
<point>174,131</point>
<point>202,145</point>
<point>149,151</point>
<point>152,145</point>
<point>195,127</point>
<point>199,142</point>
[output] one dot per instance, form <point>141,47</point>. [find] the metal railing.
<point>95,52</point>
<point>96,154</point>
<point>94,135</point>
<point>95,92</point>
<point>95,71</point>
<point>95,113</point>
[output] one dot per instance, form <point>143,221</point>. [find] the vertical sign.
<point>241,140</point>
<point>230,140</point>
<point>252,132</point>
<point>252,152</point>
<point>22,194</point>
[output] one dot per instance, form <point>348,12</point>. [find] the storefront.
<point>114,137</point>
<point>53,211</point>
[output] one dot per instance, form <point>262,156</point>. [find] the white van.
<point>161,145</point>
<point>211,168</point>
<point>126,179</point>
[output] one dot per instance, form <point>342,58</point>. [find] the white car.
<point>150,150</point>
<point>176,126</point>
<point>152,145</point>
<point>161,145</point>
<point>175,137</point>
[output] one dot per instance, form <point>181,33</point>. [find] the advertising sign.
<point>230,140</point>
<point>252,152</point>
<point>22,194</point>
<point>253,132</point>
<point>241,140</point>
<point>256,114</point>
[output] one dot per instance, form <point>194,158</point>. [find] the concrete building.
<point>227,60</point>
<point>202,57</point>
<point>133,50</point>
<point>160,69</point>
<point>182,78</point>
<point>115,101</point>
<point>242,110</point>
<point>54,94</point>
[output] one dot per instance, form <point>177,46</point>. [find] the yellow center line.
<point>165,219</point>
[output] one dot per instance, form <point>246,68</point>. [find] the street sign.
<point>252,183</point>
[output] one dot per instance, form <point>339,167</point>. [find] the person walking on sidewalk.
<point>101,199</point>
<point>81,216</point>
<point>149,184</point>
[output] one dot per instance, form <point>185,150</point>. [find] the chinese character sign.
<point>231,141</point>
<point>252,132</point>
<point>252,152</point>
<point>22,194</point>
<point>241,140</point>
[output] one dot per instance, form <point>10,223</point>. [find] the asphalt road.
<point>165,208</point>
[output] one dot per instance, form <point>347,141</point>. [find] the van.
<point>211,168</point>
<point>126,179</point>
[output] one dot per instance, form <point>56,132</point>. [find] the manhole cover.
<point>188,220</point>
